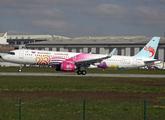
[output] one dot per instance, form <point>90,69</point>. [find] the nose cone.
<point>4,57</point>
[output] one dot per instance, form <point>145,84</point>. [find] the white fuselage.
<point>123,62</point>
<point>36,57</point>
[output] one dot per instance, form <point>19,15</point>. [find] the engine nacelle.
<point>67,66</point>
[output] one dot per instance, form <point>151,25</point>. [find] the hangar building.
<point>19,41</point>
<point>126,45</point>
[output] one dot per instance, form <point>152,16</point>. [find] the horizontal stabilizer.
<point>153,62</point>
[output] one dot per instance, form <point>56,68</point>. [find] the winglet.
<point>110,55</point>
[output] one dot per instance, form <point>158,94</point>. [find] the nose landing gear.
<point>20,68</point>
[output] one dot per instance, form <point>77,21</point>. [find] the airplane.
<point>68,61</point>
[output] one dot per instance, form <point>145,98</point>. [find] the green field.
<point>63,97</point>
<point>81,84</point>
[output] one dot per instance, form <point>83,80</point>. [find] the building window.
<point>57,49</point>
<point>156,55</point>
<point>140,48</point>
<point>89,50</point>
<point>50,49</point>
<point>97,50</point>
<point>77,50</point>
<point>110,49</point>
<point>18,43</point>
<point>11,43</point>
<point>132,51</point>
<point>69,49</point>
<point>26,42</point>
<point>119,51</point>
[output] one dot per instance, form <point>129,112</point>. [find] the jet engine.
<point>66,66</point>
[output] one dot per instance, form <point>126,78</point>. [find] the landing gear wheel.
<point>78,72</point>
<point>83,72</point>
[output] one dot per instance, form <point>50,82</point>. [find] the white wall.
<point>136,50</point>
<point>85,50</point>
<point>3,39</point>
<point>127,52</point>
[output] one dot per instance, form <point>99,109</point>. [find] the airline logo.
<point>150,49</point>
<point>69,67</point>
<point>42,60</point>
<point>33,52</point>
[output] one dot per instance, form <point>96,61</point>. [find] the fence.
<point>39,109</point>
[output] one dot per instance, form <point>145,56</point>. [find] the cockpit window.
<point>11,53</point>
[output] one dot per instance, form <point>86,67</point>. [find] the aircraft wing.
<point>92,61</point>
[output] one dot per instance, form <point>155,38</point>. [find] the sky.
<point>78,18</point>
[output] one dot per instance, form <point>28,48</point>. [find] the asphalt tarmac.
<point>87,75</point>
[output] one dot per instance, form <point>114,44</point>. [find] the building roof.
<point>35,37</point>
<point>109,37</point>
<point>2,34</point>
<point>101,40</point>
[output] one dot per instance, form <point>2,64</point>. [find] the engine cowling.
<point>67,66</point>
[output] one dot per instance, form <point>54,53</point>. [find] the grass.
<point>79,84</point>
<point>63,98</point>
<point>52,70</point>
<point>75,84</point>
<point>74,109</point>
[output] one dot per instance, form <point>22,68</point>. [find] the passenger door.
<point>21,54</point>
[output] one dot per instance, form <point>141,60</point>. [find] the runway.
<point>87,75</point>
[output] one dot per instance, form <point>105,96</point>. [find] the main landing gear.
<point>83,72</point>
